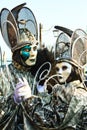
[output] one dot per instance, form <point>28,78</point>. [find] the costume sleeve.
<point>75,111</point>
<point>57,113</point>
<point>4,90</point>
<point>7,105</point>
<point>83,119</point>
<point>39,111</point>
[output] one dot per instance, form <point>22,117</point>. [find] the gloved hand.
<point>22,91</point>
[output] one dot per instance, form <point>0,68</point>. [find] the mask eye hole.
<point>35,48</point>
<point>64,67</point>
<point>27,50</point>
<point>57,69</point>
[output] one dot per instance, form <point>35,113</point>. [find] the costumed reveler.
<point>67,106</point>
<point>17,80</point>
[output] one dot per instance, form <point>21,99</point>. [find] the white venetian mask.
<point>63,69</point>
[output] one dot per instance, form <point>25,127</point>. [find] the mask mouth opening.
<point>32,60</point>
<point>60,77</point>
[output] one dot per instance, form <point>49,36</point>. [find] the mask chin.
<point>62,82</point>
<point>30,62</point>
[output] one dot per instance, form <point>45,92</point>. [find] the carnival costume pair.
<point>31,98</point>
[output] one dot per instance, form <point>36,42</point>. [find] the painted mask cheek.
<point>25,55</point>
<point>25,52</point>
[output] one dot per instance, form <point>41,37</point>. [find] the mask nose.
<point>32,52</point>
<point>60,72</point>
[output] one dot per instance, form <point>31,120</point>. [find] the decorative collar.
<point>20,67</point>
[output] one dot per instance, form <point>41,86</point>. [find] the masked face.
<point>63,70</point>
<point>29,54</point>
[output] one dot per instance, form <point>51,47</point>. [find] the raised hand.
<point>22,91</point>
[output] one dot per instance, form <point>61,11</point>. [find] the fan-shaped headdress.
<point>18,27</point>
<point>70,47</point>
<point>71,44</point>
